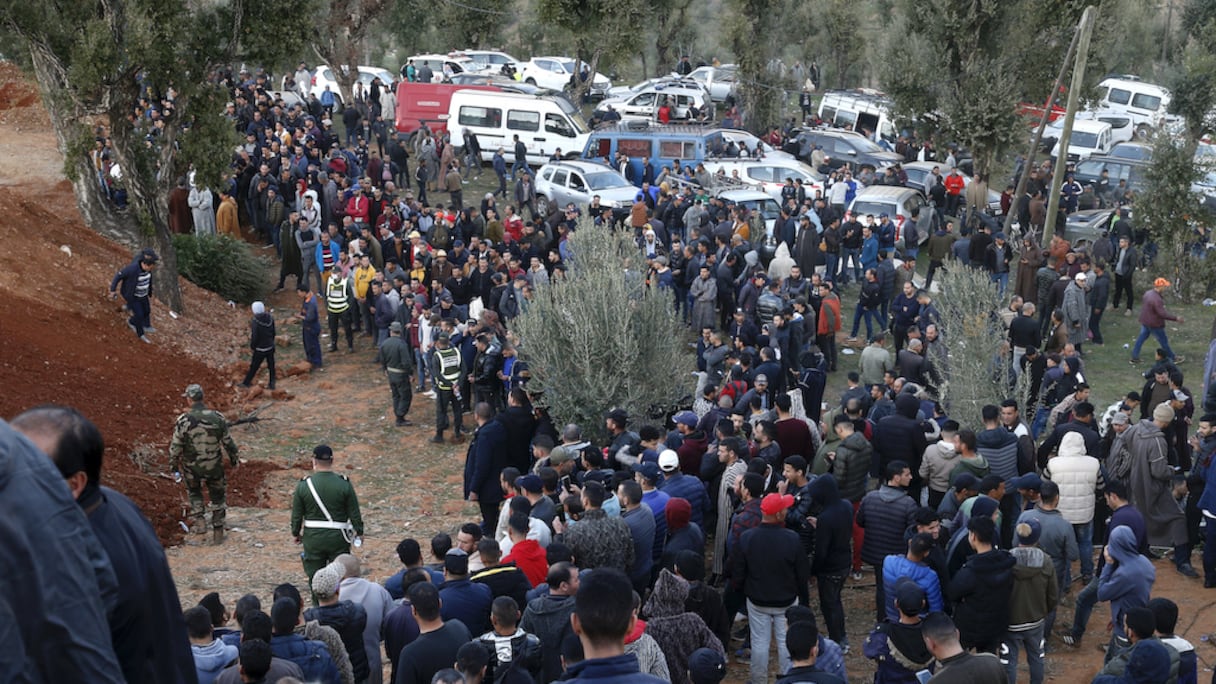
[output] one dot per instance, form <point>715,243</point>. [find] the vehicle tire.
<point>338,104</point>
<point>1144,132</point>
<point>542,205</point>
<point>530,81</point>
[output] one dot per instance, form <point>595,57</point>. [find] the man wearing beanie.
<point>261,343</point>
<point>706,666</point>
<point>1035,593</point>
<point>1150,486</point>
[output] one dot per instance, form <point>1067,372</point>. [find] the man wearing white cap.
<point>678,485</point>
<point>261,343</point>
<point>1076,310</point>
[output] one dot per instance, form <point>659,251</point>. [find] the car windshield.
<point>606,180</point>
<point>1083,139</point>
<point>875,208</point>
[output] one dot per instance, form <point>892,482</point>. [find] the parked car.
<point>322,76</point>
<point>1089,138</point>
<point>487,61</point>
<point>918,178</point>
<point>443,67</point>
<point>768,174</point>
<point>897,202</point>
<point>845,148</point>
<point>1082,228</point>
<point>718,81</point>
<point>624,91</point>
<point>1090,170</point>
<point>1121,128</point>
<point>644,105</point>
<point>767,209</point>
<point>555,73</point>
<point>738,137</point>
<point>503,83</point>
<point>1136,151</point>
<point>578,181</point>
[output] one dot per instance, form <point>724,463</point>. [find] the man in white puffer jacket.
<point>1078,476</point>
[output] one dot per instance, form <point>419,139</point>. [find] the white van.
<point>1145,103</point>
<point>1089,138</point>
<point>544,124</point>
<point>863,110</point>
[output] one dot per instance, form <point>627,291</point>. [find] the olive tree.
<point>601,337</point>
<point>977,368</point>
<point>95,59</point>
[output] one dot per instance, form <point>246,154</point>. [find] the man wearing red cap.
<point>772,570</point>
<point>1153,316</point>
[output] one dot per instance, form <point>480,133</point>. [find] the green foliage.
<point>960,61</point>
<point>1168,208</point>
<point>1194,89</point>
<point>223,265</point>
<point>838,44</point>
<point>601,339</point>
<point>977,371</point>
<point>759,91</point>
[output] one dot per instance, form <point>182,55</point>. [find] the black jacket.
<point>485,461</point>
<point>980,592</point>
<point>771,567</point>
<point>261,333</point>
<point>833,527</point>
<point>899,437</point>
<point>505,580</point>
<point>348,619</point>
<point>520,426</point>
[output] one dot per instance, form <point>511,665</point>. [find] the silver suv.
<point>578,181</point>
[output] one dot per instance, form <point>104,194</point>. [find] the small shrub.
<point>223,265</point>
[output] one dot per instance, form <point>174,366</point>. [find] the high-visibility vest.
<point>336,300</point>
<point>449,367</point>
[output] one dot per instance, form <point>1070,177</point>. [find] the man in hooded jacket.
<point>981,589</point>
<point>900,437</point>
<point>261,342</point>
<point>1150,486</point>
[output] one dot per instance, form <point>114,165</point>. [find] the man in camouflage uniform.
<point>325,514</point>
<point>199,436</point>
<point>397,360</point>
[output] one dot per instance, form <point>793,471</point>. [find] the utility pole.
<point>1074,95</point>
<point>1038,135</point>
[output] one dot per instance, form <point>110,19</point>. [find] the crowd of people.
<point>678,543</point>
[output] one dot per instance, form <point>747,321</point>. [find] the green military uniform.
<point>325,538</point>
<point>199,437</point>
<point>397,359</point>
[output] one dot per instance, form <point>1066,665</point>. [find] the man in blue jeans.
<point>771,568</point>
<point>1153,316</point>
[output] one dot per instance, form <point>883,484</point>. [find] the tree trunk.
<point>67,116</point>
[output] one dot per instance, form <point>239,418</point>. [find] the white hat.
<point>1081,277</point>
<point>258,308</point>
<point>668,460</point>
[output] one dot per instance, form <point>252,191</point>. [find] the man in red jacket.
<point>527,554</point>
<point>1153,316</point>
